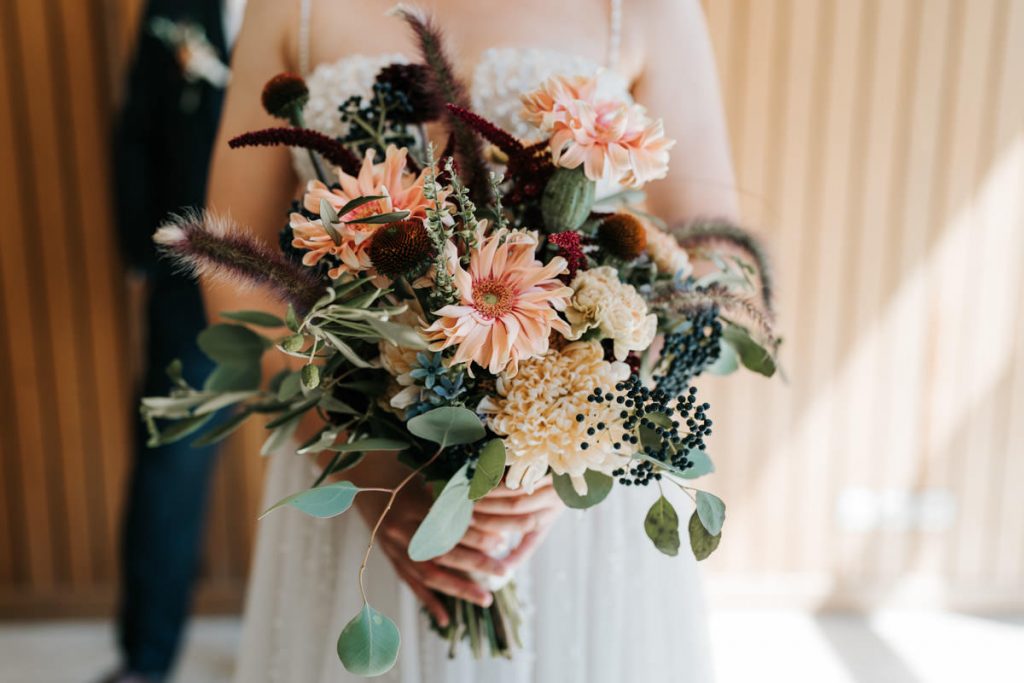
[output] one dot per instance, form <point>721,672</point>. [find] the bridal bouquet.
<point>493,331</point>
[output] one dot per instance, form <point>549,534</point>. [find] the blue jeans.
<point>167,495</point>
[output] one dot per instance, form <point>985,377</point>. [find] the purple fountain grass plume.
<point>207,245</point>
<point>705,232</point>
<point>331,150</point>
<point>739,308</point>
<point>449,89</point>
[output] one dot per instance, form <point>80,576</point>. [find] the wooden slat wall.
<point>66,387</point>
<point>879,147</point>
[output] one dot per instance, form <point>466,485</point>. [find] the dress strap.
<point>614,34</point>
<point>305,10</point>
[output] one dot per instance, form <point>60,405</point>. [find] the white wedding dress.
<point>602,605</point>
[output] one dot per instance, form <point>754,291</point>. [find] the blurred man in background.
<point>162,149</point>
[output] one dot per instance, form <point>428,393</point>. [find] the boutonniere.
<point>194,52</point>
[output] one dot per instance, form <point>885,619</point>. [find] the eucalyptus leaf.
<point>711,511</point>
<point>490,467</point>
<point>319,441</point>
<point>231,344</point>
<point>662,526</point>
<point>324,501</point>
<point>231,377</point>
<point>728,360</point>
<point>259,318</point>
<point>291,319</point>
<point>752,355</point>
<point>446,522</point>
<point>701,464</point>
<point>295,411</point>
<point>701,542</point>
<point>447,426</point>
<point>369,643</point>
<point>599,485</point>
<point>310,376</point>
<point>373,443</point>
<point>290,387</point>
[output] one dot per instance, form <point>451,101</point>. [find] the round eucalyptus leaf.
<point>711,511</point>
<point>599,485</point>
<point>321,501</point>
<point>662,526</point>
<point>701,542</point>
<point>446,522</point>
<point>447,426</point>
<point>235,376</point>
<point>753,356</point>
<point>701,465</point>
<point>490,467</point>
<point>368,645</point>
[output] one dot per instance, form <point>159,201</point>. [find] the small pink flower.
<point>401,192</point>
<point>508,307</point>
<point>610,138</point>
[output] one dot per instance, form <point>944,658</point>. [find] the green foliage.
<point>490,467</point>
<point>599,485</point>
<point>447,426</point>
<point>178,430</point>
<point>701,542</point>
<point>373,443</point>
<point>701,465</point>
<point>728,360</point>
<point>237,351</point>
<point>753,356</point>
<point>254,318</point>
<point>369,643</point>
<point>324,501</point>
<point>446,522</point>
<point>662,526</point>
<point>711,511</point>
<point>223,430</point>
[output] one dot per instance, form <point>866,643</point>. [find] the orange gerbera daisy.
<point>508,303</point>
<point>611,138</point>
<point>401,191</point>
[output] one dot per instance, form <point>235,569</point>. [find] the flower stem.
<point>384,513</point>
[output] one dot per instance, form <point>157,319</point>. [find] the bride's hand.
<point>444,574</point>
<point>506,511</point>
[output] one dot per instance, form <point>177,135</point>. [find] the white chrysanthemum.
<point>600,300</point>
<point>666,253</point>
<point>537,410</point>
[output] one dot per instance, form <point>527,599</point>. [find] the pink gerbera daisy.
<point>508,304</point>
<point>401,191</point>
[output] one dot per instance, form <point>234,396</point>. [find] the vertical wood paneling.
<point>879,147</point>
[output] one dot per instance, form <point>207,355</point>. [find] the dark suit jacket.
<point>162,152</point>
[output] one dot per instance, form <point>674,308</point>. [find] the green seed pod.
<point>567,200</point>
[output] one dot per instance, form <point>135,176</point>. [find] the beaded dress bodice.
<point>500,78</point>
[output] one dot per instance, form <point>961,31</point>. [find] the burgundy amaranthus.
<point>529,166</point>
<point>570,248</point>
<point>209,245</point>
<point>331,150</point>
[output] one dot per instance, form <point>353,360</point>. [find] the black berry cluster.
<point>378,122</point>
<point>664,429</point>
<point>690,351</point>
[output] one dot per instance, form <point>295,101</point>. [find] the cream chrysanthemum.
<point>666,253</point>
<point>600,300</point>
<point>537,412</point>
